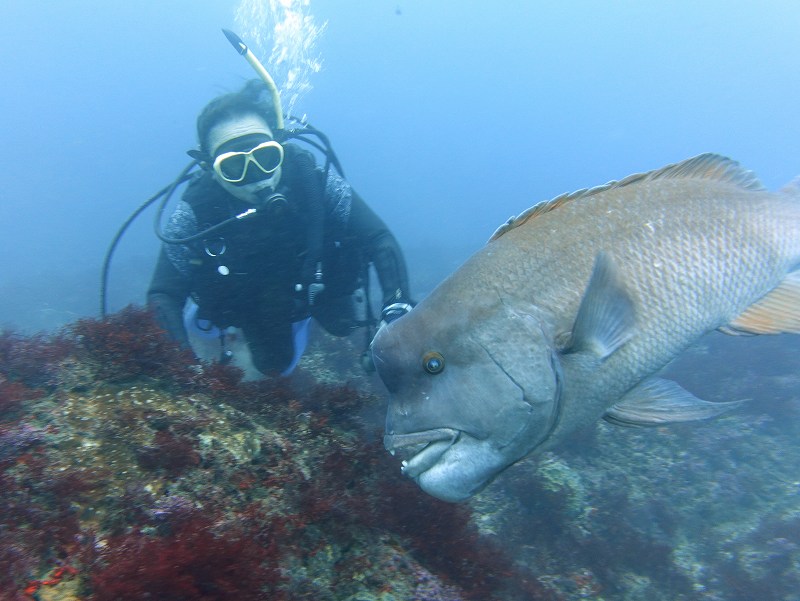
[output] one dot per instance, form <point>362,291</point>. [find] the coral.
<point>134,504</point>
<point>430,588</point>
<point>39,521</point>
<point>444,539</point>
<point>15,565</point>
<point>14,440</point>
<point>362,486</point>
<point>171,512</point>
<point>55,578</point>
<point>764,564</point>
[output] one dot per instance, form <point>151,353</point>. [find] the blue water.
<point>448,116</point>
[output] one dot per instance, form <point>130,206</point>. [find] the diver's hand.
<point>390,313</point>
<point>393,312</point>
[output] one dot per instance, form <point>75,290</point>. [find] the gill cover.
<point>520,390</point>
<point>524,354</point>
<point>497,384</point>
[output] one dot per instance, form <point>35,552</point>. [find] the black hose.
<point>325,147</point>
<point>182,176</point>
<point>167,190</point>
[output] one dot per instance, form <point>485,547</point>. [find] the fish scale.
<point>673,303</point>
<point>719,252</point>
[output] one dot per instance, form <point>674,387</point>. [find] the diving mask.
<point>232,167</point>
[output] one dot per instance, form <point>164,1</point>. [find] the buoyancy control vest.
<point>267,262</point>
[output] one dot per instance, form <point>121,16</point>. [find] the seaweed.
<point>33,360</point>
<point>130,344</point>
<point>171,452</point>
<point>155,476</point>
<point>199,561</point>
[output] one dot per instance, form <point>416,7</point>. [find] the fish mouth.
<point>427,447</point>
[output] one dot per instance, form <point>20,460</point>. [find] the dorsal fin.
<point>792,188</point>
<point>704,166</point>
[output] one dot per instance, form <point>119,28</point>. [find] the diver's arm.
<point>382,250</point>
<point>166,297</point>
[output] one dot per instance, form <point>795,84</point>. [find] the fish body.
<point>566,315</point>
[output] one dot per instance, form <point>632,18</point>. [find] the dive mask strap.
<point>202,158</point>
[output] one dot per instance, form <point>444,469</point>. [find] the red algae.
<point>199,561</point>
<point>157,477</point>
<point>128,345</point>
<point>171,452</point>
<point>115,458</point>
<point>33,360</point>
<point>13,395</point>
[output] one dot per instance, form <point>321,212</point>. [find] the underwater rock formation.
<point>129,471</point>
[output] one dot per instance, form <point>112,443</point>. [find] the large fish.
<point>571,309</point>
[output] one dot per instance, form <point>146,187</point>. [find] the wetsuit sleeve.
<point>166,296</point>
<point>381,249</point>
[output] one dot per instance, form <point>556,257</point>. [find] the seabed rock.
<point>129,471</point>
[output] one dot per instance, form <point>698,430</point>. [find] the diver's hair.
<point>253,99</point>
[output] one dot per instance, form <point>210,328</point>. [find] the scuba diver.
<point>264,239</point>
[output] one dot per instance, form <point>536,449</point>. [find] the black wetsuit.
<point>247,274</point>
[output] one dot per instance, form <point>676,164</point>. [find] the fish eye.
<point>433,362</point>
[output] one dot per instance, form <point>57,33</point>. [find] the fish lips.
<point>452,466</point>
<point>436,442</point>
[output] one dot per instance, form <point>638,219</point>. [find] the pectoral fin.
<point>605,319</point>
<point>657,402</point>
<point>776,313</point>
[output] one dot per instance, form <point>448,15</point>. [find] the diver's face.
<point>242,134</point>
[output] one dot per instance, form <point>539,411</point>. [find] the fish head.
<point>473,389</point>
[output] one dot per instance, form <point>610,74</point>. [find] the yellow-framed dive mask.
<point>232,166</point>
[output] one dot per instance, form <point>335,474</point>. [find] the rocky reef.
<point>129,470</point>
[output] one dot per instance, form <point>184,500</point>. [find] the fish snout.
<point>384,359</point>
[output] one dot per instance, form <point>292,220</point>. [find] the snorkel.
<point>262,193</point>
<point>315,286</point>
<point>304,129</point>
<point>251,58</point>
